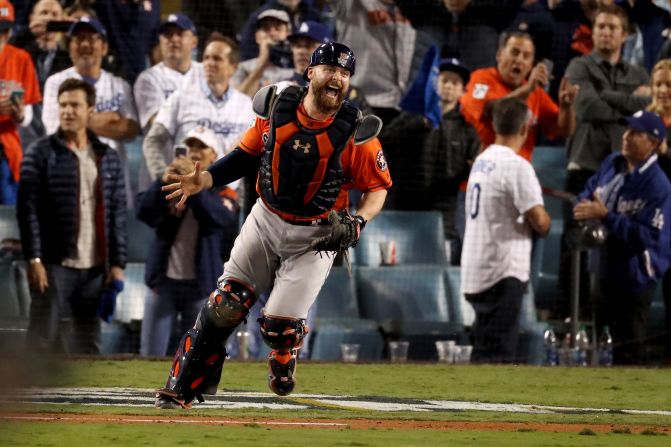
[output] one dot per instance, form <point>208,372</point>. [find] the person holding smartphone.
<point>186,255</point>
<point>19,89</point>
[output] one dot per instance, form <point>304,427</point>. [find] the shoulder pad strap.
<point>263,101</point>
<point>369,127</point>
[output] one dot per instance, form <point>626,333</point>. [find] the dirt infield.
<point>332,423</point>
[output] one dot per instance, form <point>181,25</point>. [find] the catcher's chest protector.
<point>300,170</point>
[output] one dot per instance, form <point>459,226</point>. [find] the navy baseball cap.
<point>180,21</point>
<point>647,122</point>
<point>90,23</point>
<point>453,65</point>
<point>332,53</point>
<point>312,30</point>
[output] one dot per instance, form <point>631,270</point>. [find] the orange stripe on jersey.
<point>282,134</point>
<point>325,151</point>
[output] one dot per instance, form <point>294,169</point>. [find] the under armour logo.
<point>306,147</point>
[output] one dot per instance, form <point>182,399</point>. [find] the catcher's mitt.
<point>345,231</point>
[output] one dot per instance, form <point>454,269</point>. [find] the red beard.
<point>327,104</point>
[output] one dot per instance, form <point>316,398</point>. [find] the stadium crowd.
<point>176,88</point>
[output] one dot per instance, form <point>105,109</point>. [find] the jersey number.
<point>475,201</point>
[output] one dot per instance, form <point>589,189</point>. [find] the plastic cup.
<point>349,351</point>
<point>462,354</point>
<point>445,349</point>
<point>398,351</point>
<point>388,253</point>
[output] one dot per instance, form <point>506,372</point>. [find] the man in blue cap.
<point>631,197</point>
<point>114,119</point>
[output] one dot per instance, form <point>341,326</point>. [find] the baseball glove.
<point>345,231</point>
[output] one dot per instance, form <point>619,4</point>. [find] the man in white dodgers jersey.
<point>115,119</point>
<point>208,101</point>
<point>177,40</point>
<point>504,205</point>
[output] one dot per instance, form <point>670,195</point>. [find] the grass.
<point>253,435</point>
<point>617,388</point>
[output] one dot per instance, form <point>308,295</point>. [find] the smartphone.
<point>59,26</point>
<point>16,96</point>
<point>181,151</point>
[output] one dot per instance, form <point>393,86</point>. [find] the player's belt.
<point>307,223</point>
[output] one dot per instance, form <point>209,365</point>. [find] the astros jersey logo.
<point>381,161</point>
<point>306,147</point>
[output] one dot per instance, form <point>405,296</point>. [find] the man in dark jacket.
<point>186,256</point>
<point>631,196</point>
<point>71,210</point>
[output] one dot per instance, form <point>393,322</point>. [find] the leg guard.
<point>198,362</point>
<point>285,336</point>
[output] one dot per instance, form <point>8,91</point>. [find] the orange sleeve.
<point>28,79</point>
<point>481,89</point>
<point>367,166</point>
<point>253,140</point>
<point>548,112</point>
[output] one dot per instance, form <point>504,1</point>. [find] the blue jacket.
<point>637,250</point>
<point>48,201</point>
<point>215,222</point>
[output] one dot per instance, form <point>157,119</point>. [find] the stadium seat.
<point>466,315</point>
<point>140,237</point>
<point>419,238</point>
<point>9,227</point>
<point>550,163</point>
<point>402,293</point>
<point>337,321</point>
<point>410,303</point>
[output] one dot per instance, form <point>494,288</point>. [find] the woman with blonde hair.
<point>661,104</point>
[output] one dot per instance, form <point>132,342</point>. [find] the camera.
<point>59,26</point>
<point>587,234</point>
<point>281,55</point>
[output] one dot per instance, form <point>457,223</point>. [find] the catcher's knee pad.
<point>196,367</point>
<point>282,333</point>
<point>229,305</point>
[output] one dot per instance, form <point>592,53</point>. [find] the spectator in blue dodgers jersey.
<point>71,210</point>
<point>209,101</point>
<point>631,196</point>
<point>186,254</point>
<point>504,207</point>
<point>273,63</point>
<point>115,119</point>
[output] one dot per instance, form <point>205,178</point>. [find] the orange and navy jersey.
<point>486,85</point>
<point>364,166</point>
<point>17,66</point>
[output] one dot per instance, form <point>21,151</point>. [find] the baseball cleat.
<point>167,401</point>
<point>282,368</point>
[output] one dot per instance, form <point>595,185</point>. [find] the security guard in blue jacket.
<point>631,196</point>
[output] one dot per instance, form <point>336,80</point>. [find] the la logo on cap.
<point>638,114</point>
<point>172,18</point>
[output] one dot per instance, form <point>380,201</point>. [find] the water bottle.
<point>550,342</point>
<point>606,348</point>
<point>582,346</point>
<point>243,343</point>
<point>566,357</point>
